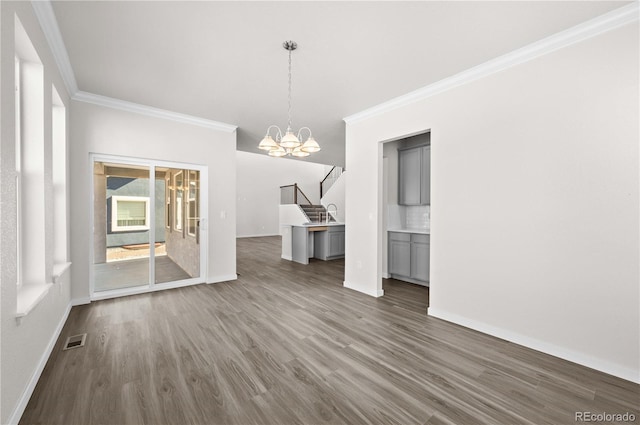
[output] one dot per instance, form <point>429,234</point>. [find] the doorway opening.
<point>147,225</point>
<point>405,212</point>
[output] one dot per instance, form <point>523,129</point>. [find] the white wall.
<point>534,229</point>
<point>102,130</point>
<point>259,178</point>
<point>25,344</point>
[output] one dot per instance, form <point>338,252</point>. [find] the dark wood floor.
<point>287,344</point>
<point>129,273</point>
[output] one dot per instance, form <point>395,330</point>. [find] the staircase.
<point>316,213</point>
<point>330,179</point>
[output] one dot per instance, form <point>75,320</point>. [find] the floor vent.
<point>75,341</point>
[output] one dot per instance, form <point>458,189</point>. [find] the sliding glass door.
<point>178,258</point>
<point>146,221</point>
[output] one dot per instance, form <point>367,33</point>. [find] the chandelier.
<point>290,143</point>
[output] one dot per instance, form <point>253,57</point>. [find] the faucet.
<point>336,212</point>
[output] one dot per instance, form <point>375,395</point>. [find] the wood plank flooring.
<point>287,344</point>
<point>135,272</point>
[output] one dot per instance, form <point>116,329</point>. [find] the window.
<point>18,124</point>
<point>129,213</point>
<point>192,203</point>
<point>33,277</point>
<point>59,177</point>
<point>178,184</point>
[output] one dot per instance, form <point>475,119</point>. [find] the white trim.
<point>144,289</point>
<point>29,296</point>
<point>221,278</point>
<point>536,344</point>
<point>151,214</point>
<point>80,301</point>
<point>286,257</point>
<point>59,270</point>
<point>150,111</point>
<point>376,293</point>
<point>47,19</point>
<point>261,235</point>
<point>607,22</point>
<point>28,391</point>
<point>204,220</point>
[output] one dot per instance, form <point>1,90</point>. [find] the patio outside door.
<point>177,258</point>
<point>146,221</point>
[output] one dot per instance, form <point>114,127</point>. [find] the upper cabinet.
<point>414,176</point>
<point>425,176</point>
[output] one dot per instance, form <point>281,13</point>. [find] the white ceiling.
<point>224,61</point>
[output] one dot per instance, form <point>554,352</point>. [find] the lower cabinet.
<point>329,244</point>
<point>400,254</point>
<point>420,257</point>
<point>409,257</point>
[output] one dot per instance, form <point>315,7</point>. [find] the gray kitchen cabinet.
<point>414,176</point>
<point>329,244</point>
<point>420,257</point>
<point>409,257</point>
<point>336,243</point>
<point>399,254</point>
<point>409,163</point>
<point>425,176</point>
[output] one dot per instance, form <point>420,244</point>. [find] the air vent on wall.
<point>75,341</point>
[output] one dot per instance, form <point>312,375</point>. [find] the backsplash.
<point>417,217</point>
<point>408,217</point>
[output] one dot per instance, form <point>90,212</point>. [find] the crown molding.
<point>47,18</point>
<point>601,24</point>
<point>150,111</point>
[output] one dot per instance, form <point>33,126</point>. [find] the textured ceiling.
<point>224,61</point>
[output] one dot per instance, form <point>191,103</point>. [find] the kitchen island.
<point>323,241</point>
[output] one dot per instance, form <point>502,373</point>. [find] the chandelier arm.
<point>304,128</point>
<point>278,133</point>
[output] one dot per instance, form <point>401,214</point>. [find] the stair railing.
<point>329,180</point>
<point>292,194</point>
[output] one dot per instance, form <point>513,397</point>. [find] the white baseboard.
<point>28,391</point>
<point>80,301</point>
<point>374,293</point>
<point>222,278</point>
<point>287,257</point>
<point>262,235</point>
<point>545,347</point>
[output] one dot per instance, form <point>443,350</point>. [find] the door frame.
<point>204,214</point>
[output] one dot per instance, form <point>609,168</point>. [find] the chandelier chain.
<point>289,111</point>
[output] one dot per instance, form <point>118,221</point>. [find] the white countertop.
<point>417,231</point>
<point>331,223</point>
